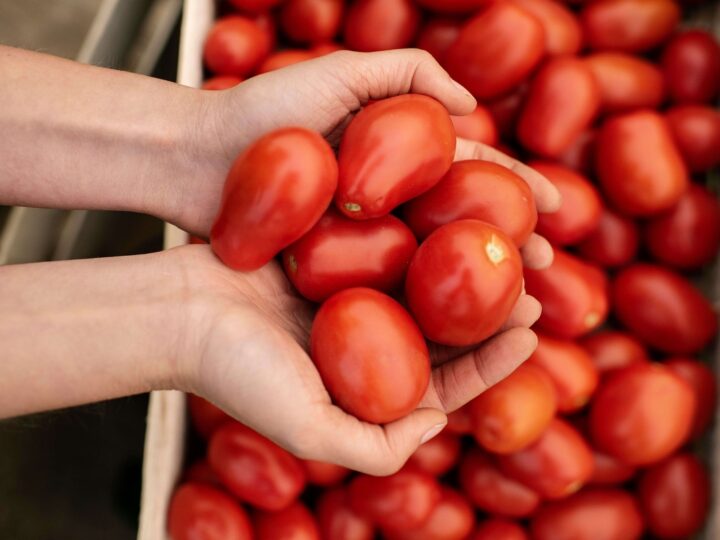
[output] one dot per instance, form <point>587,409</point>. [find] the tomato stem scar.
<point>495,251</point>
<point>352,207</point>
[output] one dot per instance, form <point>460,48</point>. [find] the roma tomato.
<point>663,309</point>
<point>221,82</point>
<point>550,121</point>
<point>610,350</point>
<point>463,282</point>
<point>641,414</point>
<point>702,380</point>
<point>675,496</point>
<point>513,413</point>
<point>254,6</point>
<point>459,421</point>
<point>379,25</point>
<point>201,472</point>
<point>696,132</point>
<point>340,253</point>
<point>292,523</point>
<point>626,82</point>
<point>320,473</point>
<point>311,21</point>
<point>480,190</point>
<point>613,243</point>
<point>235,46</point>
<point>499,529</point>
<point>274,193</point>
<point>691,65</point>
<point>437,35</point>
<point>198,511</point>
<point>337,520</point>
<point>492,491</point>
<point>452,6</point>
<point>580,155</point>
<point>284,58</point>
<point>392,151</point>
<point>563,34</point>
<point>506,110</point>
<point>370,354</point>
<point>496,50</point>
<point>477,126</point>
<point>637,185</point>
<point>255,469</point>
<point>205,416</point>
<point>609,471</point>
<point>438,455</point>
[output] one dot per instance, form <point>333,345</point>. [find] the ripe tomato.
<point>691,64</point>
<point>696,132</point>
<point>688,235</point>
<point>463,282</point>
<point>573,295</point>
<point>492,491</point>
<point>628,25</point>
<point>452,6</point>
<point>613,243</point>
<point>610,350</point>
<point>292,523</point>
<point>663,309</point>
<point>451,519</point>
<point>321,49</point>
<point>635,184</point>
<point>513,413</point>
<point>580,155</point>
<point>702,381</point>
<point>438,455</point>
<point>496,50</point>
<point>324,474</point>
<point>379,25</point>
<point>285,58</point>
<point>506,110</point>
<point>201,472</point>
<point>339,253</point>
<point>609,471</point>
<point>477,126</point>
<point>274,193</point>
<point>562,29</point>
<point>205,416</point>
<point>254,6</point>
<point>311,21</point>
<point>437,35</point>
<point>337,520</point>
<point>201,511</point>
<point>608,514</point>
<point>626,82</point>
<point>255,469</point>
<point>641,414</point>
<point>476,189</point>
<point>459,421</point>
<point>392,151</point>
<point>675,496</point>
<point>499,529</point>
<point>235,46</point>
<point>221,82</point>
<point>370,354</point>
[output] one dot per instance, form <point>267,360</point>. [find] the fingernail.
<point>432,432</point>
<point>461,88</point>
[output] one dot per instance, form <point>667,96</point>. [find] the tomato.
<point>370,354</point>
<point>205,416</point>
<point>626,82</point>
<point>607,514</point>
<point>221,82</point>
<point>562,29</point>
<point>235,46</point>
<point>320,473</point>
<point>476,189</point>
<point>379,25</point>
<point>392,151</point>
<point>201,472</point>
<point>550,121</point>
<point>496,50</point>
<point>400,501</point>
<point>254,6</point>
<point>437,35</point>
<point>451,519</point>
<point>321,49</point>
<point>285,58</point>
<point>556,465</point>
<point>688,235</point>
<point>201,512</point>
<point>463,282</point>
<point>292,523</point>
<point>691,64</point>
<point>255,469</point>
<point>641,414</point>
<point>696,132</point>
<point>337,520</point>
<point>675,496</point>
<point>499,529</point>
<point>438,455</point>
<point>311,21</point>
<point>513,413</point>
<point>459,421</point>
<point>274,193</point>
<point>635,184</point>
<point>452,6</point>
<point>339,253</point>
<point>477,126</point>
<point>702,381</point>
<point>610,350</point>
<point>613,243</point>
<point>663,309</point>
<point>609,471</point>
<point>573,295</point>
<point>506,110</point>
<point>581,207</point>
<point>492,491</point>
<point>628,25</point>
<point>580,155</point>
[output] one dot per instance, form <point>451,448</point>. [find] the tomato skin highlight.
<point>613,243</point>
<point>311,21</point>
<point>380,25</point>
<point>691,64</point>
<point>696,132</point>
<point>702,381</point>
<point>235,45</point>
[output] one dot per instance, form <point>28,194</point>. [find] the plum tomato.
<point>311,21</point>
<point>477,126</point>
<point>611,349</point>
<point>459,421</point>
<point>696,132</point>
<point>563,34</point>
<point>204,416</point>
<point>499,529</point>
<point>580,155</point>
<point>438,455</point>
<point>437,35</point>
<point>201,472</point>
<point>379,25</point>
<point>235,45</point>
<point>691,65</point>
<point>702,380</point>
<point>613,243</point>
<point>221,82</point>
<point>609,471</point>
<point>294,522</point>
<point>285,58</point>
<point>337,520</point>
<point>506,110</point>
<point>320,473</point>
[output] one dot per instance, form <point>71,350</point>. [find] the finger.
<point>537,253</point>
<point>525,313</point>
<point>547,197</point>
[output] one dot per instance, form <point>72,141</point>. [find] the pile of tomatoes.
<point>591,438</point>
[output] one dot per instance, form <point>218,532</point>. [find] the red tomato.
<point>691,64</point>
<point>452,6</point>
<point>274,193</point>
<point>438,455</point>
<point>201,512</point>
<point>235,46</point>
<point>292,523</point>
<point>663,309</point>
<point>550,121</point>
<point>608,514</point>
<point>477,126</point>
<point>610,350</point>
<point>476,189</point>
<point>688,235</point>
<point>696,132</point>
<point>573,295</point>
<point>581,207</point>
<point>201,472</point>
<point>506,110</point>
<point>255,469</point>
<point>400,501</point>
<point>628,25</point>
<point>463,282</point>
<point>370,354</point>
<point>221,82</point>
<point>254,6</point>
<point>580,155</point>
<point>514,413</point>
<point>311,21</point>
<point>205,416</point>
<point>320,473</point>
<point>496,50</point>
<point>379,25</point>
<point>337,520</point>
<point>702,381</point>
<point>192,239</point>
<point>613,243</point>
<point>626,82</point>
<point>641,414</point>
<point>285,58</point>
<point>675,496</point>
<point>492,491</point>
<point>392,151</point>
<point>322,49</point>
<point>339,253</point>
<point>459,421</point>
<point>635,184</point>
<point>499,529</point>
<point>562,30</point>
<point>609,471</point>
<point>437,35</point>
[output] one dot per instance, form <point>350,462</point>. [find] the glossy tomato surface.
<point>338,521</point>
<point>477,126</point>
<point>563,34</point>
<point>311,21</point>
<point>696,132</point>
<point>613,243</point>
<point>611,349</point>
<point>702,380</point>
<point>320,473</point>
<point>205,416</point>
<point>499,529</point>
<point>292,523</point>
<point>379,25</point>
<point>691,64</point>
<point>235,46</point>
<point>437,35</point>
<point>609,471</point>
<point>438,455</point>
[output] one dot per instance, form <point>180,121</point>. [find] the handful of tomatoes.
<point>590,439</point>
